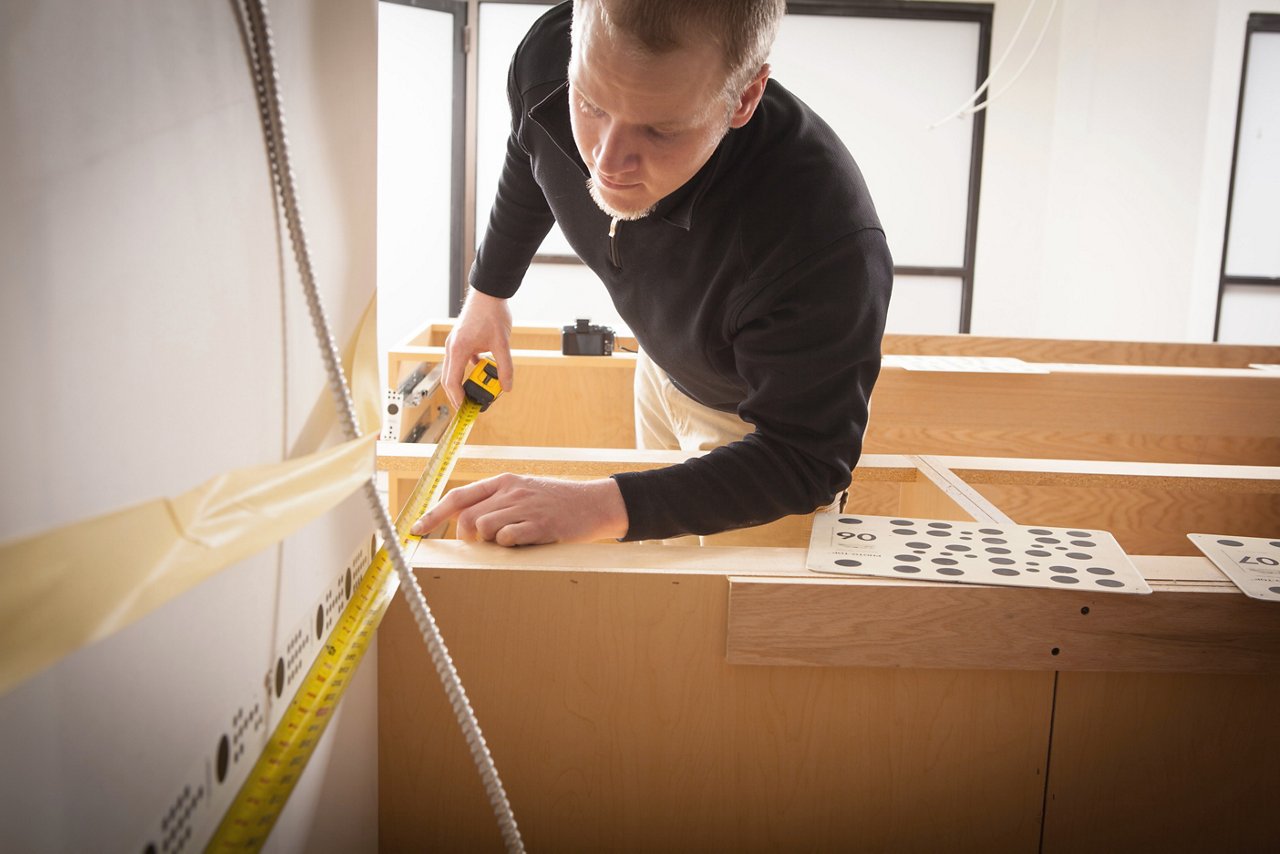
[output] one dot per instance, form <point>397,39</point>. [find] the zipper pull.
<point>614,258</point>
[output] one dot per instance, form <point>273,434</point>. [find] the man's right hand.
<point>484,326</point>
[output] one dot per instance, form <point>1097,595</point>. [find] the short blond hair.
<point>744,30</point>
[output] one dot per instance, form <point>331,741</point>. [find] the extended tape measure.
<point>265,791</point>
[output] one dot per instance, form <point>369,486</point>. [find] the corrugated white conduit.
<point>267,82</point>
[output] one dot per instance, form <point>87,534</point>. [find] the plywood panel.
<point>1164,762</point>
<point>877,623</point>
<point>1083,351</point>
<point>1167,415</point>
<point>567,401</point>
<point>1144,521</point>
<point>618,726</point>
<point>1078,351</point>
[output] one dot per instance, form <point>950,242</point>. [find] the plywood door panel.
<point>618,726</point>
<point>1164,762</point>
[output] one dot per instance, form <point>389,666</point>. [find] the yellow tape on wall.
<point>74,585</point>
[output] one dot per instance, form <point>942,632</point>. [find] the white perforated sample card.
<point>972,553</point>
<point>1252,563</point>
<point>964,364</point>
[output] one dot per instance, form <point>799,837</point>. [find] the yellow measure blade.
<point>265,791</point>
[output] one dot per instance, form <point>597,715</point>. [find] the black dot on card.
<point>950,570</point>
<point>1276,543</point>
<point>1060,548</point>
<point>939,525</point>
<point>1079,534</point>
<point>319,622</point>
<point>279,676</point>
<point>956,547</point>
<point>1049,540</point>
<point>918,545</point>
<point>1003,561</point>
<point>1230,543</point>
<point>1062,569</point>
<point>224,758</point>
<point>1111,582</point>
<point>1064,579</point>
<point>919,551</point>
<point>990,531</point>
<point>1084,544</point>
<point>348,586</point>
<point>1038,531</point>
<point>906,569</point>
<point>850,520</point>
<point>966,539</point>
<point>1100,570</point>
<point>1274,589</point>
<point>907,558</point>
<point>997,551</point>
<point>1077,556</point>
<point>902,522</point>
<point>938,533</point>
<point>944,561</point>
<point>1004,570</point>
<point>848,562</point>
<point>1033,570</point>
<point>1032,563</point>
<point>906,532</point>
<point>995,541</point>
<point>1038,553</point>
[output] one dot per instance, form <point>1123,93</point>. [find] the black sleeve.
<point>520,218</point>
<point>808,348</point>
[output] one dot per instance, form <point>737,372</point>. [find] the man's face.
<point>644,125</point>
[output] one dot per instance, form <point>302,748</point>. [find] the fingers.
<point>453,370</point>
<point>454,503</point>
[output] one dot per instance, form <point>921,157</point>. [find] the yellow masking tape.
<point>74,585</point>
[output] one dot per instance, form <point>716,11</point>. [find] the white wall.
<point>1106,170</point>
<point>150,342</point>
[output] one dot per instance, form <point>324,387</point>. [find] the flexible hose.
<point>271,108</point>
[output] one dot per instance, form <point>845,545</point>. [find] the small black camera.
<point>584,339</point>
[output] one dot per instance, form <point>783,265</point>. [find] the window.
<point>1249,284</point>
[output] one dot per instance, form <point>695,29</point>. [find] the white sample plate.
<point>1252,563</point>
<point>971,553</point>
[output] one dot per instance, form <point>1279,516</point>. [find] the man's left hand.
<point>515,510</point>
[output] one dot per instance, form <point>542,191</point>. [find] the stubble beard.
<point>610,210</point>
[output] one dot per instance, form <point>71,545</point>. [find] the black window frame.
<point>1259,22</point>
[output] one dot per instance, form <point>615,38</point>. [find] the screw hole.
<point>1084,610</point>
<point>1054,651</point>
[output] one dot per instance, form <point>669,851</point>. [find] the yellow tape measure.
<point>262,797</point>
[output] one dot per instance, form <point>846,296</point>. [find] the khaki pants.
<point>667,419</point>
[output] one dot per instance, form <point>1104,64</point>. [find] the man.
<point>738,241</point>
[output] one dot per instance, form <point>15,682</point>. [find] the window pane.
<point>924,304</point>
<point>880,83</point>
<point>1254,246</point>
<point>502,26</point>
<point>415,151</point>
<point>558,294</point>
<point>1250,315</point>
